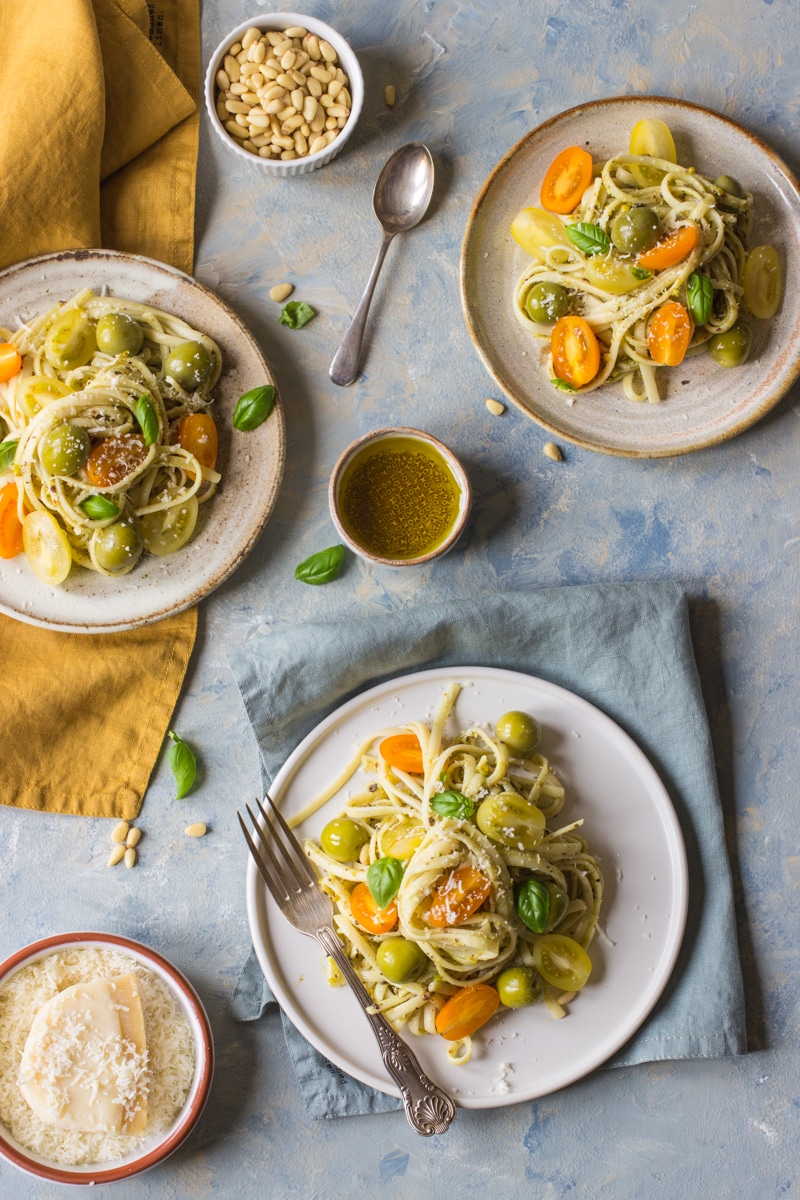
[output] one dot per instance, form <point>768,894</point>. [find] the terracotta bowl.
<point>152,1152</point>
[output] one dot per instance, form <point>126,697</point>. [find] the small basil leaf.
<point>253,408</point>
<point>453,804</point>
<point>296,314</point>
<point>148,421</point>
<point>7,452</point>
<point>321,567</point>
<point>533,905</point>
<point>591,239</point>
<point>98,508</point>
<point>383,880</point>
<point>700,294</point>
<point>640,273</point>
<point>563,386</point>
<point>184,765</point>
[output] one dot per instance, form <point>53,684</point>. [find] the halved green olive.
<point>520,732</point>
<point>636,230</point>
<point>762,281</point>
<point>189,364</point>
<point>512,821</point>
<point>546,302</point>
<point>731,348</point>
<point>117,546</point>
<point>518,987</point>
<point>70,341</point>
<point>343,839</point>
<point>64,448</point>
<point>117,333</point>
<point>730,185</point>
<point>400,959</point>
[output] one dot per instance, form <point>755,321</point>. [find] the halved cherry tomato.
<point>653,138</point>
<point>457,896</point>
<point>367,913</point>
<point>567,178</point>
<point>670,250</point>
<point>466,1011</point>
<point>10,361</point>
<point>669,332</point>
<point>113,459</point>
<point>576,351</point>
<point>10,524</point>
<point>561,961</point>
<point>197,433</point>
<point>404,752</point>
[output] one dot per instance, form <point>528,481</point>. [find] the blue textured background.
<point>471,78</point>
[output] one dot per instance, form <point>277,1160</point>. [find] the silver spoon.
<point>400,200</point>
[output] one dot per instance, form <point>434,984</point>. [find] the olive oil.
<point>399,498</point>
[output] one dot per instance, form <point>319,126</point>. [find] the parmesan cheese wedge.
<point>84,1066</point>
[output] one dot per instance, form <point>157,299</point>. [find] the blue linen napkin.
<point>624,647</point>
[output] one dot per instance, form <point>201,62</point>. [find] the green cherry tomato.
<point>400,959</point>
<point>165,532</point>
<point>730,185</point>
<point>546,302</point>
<point>636,230</point>
<point>518,987</point>
<point>762,281</point>
<point>64,448</point>
<point>342,839</point>
<point>189,364</point>
<point>70,341</point>
<point>561,961</point>
<point>731,348</point>
<point>520,732</point>
<point>512,821</point>
<point>117,546</point>
<point>117,333</point>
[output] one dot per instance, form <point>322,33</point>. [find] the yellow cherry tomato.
<point>46,547</point>
<point>652,138</point>
<point>762,281</point>
<point>561,961</point>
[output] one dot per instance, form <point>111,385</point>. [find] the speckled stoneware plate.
<point>251,463</point>
<point>713,403</point>
<point>522,1053</point>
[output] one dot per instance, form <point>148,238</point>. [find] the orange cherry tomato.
<point>567,178</point>
<point>367,913</point>
<point>466,1011</point>
<point>670,250</point>
<point>10,524</point>
<point>113,459</point>
<point>457,896</point>
<point>404,752</point>
<point>10,361</point>
<point>576,351</point>
<point>668,334</point>
<point>197,433</point>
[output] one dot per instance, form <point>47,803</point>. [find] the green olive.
<point>117,333</point>
<point>546,302</point>
<point>728,184</point>
<point>70,341</point>
<point>117,546</point>
<point>512,821</point>
<point>189,364</point>
<point>636,230</point>
<point>520,732</point>
<point>519,986</point>
<point>400,960</point>
<point>64,448</point>
<point>343,839</point>
<point>731,348</point>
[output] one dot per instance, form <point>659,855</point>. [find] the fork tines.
<point>279,857</point>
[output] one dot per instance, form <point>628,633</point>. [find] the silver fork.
<point>295,889</point>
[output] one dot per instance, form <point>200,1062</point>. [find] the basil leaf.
<point>640,273</point>
<point>700,294</point>
<point>563,386</point>
<point>98,508</point>
<point>321,567</point>
<point>183,763</point>
<point>253,408</point>
<point>533,905</point>
<point>296,314</point>
<point>453,804</point>
<point>591,239</point>
<point>7,452</point>
<point>383,880</point>
<point>148,421</point>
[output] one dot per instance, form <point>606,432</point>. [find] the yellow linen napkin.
<point>89,92</point>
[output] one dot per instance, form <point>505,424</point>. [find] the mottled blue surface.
<point>471,78</point>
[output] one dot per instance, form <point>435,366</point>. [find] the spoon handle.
<point>344,368</point>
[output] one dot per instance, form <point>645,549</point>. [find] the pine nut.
<point>265,152</point>
<point>237,89</point>
<point>341,122</point>
<point>331,123</point>
<point>285,143</point>
<point>116,855</point>
<point>274,38</point>
<point>312,45</point>
<point>288,155</point>
<point>274,92</point>
<point>120,832</point>
<point>257,53</point>
<point>330,135</point>
<point>251,35</point>
<point>309,108</point>
<point>222,80</point>
<point>338,110</point>
<point>261,140</point>
<point>298,77</point>
<point>318,124</point>
<point>241,119</point>
<point>300,143</point>
<point>286,82</point>
<point>552,451</point>
<point>389,95</point>
<point>235,48</point>
<point>130,857</point>
<point>236,106</point>
<point>259,122</point>
<point>256,80</point>
<point>196,830</point>
<point>133,837</point>
<point>235,129</point>
<point>274,106</point>
<point>345,98</point>
<point>250,98</point>
<point>286,111</point>
<point>222,113</point>
<point>288,59</point>
<point>248,144</point>
<point>298,98</point>
<point>305,129</point>
<point>270,72</point>
<point>334,87</point>
<point>327,100</point>
<point>281,292</point>
<point>274,124</point>
<point>318,72</point>
<point>241,57</point>
<point>327,51</point>
<point>318,144</point>
<point>314,87</point>
<point>300,59</point>
<point>232,68</point>
<point>296,31</point>
<point>495,407</point>
<point>282,47</point>
<point>292,123</point>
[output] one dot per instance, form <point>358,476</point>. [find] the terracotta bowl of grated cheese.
<point>106,1058</point>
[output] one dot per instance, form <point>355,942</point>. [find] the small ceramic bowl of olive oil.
<point>399,497</point>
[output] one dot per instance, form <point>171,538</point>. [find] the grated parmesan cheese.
<point>170,1051</point>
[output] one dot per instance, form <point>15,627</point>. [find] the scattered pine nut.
<point>389,95</point>
<point>117,855</point>
<point>495,407</point>
<point>133,837</point>
<point>120,832</point>
<point>197,830</point>
<point>552,451</point>
<point>130,857</point>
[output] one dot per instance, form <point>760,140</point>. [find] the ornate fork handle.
<point>427,1108</point>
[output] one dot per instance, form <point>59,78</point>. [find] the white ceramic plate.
<point>629,822</point>
<point>714,404</point>
<point>251,463</point>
